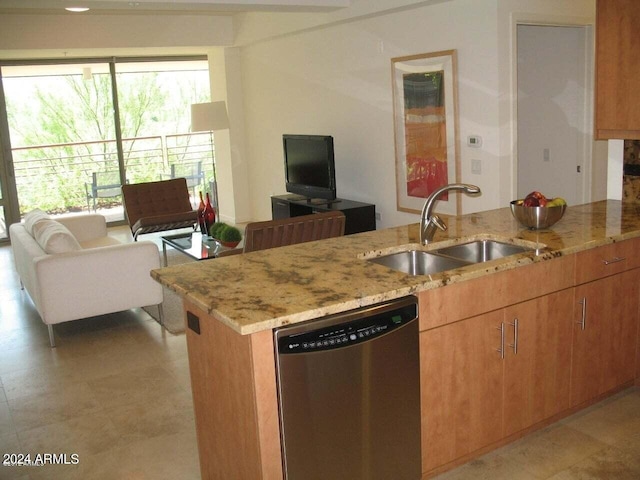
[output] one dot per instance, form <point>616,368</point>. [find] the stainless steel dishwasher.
<point>349,395</point>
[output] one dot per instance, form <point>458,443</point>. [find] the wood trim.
<point>606,134</point>
<point>266,397</point>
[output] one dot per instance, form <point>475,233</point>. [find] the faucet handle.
<point>438,222</point>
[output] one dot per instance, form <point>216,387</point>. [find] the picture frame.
<point>425,117</point>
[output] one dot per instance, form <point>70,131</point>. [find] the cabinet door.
<point>604,335</point>
<point>461,388</point>
<point>617,66</point>
<point>624,329</point>
<point>537,359</point>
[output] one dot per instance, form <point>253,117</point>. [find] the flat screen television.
<point>309,166</point>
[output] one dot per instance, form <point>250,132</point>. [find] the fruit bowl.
<point>536,218</point>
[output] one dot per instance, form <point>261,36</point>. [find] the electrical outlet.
<point>476,167</point>
<point>378,216</point>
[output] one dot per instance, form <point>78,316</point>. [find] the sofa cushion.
<point>98,242</point>
<point>33,217</point>
<point>53,237</point>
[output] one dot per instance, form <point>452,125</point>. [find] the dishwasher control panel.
<point>373,325</point>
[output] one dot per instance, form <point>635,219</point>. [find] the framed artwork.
<point>425,114</point>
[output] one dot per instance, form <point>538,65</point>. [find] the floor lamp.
<point>207,117</point>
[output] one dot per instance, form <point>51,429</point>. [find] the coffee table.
<point>192,244</point>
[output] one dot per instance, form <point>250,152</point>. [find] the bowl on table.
<point>536,218</point>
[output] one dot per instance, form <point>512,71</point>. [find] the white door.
<point>554,111</point>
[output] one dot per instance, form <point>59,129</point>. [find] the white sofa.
<point>73,269</point>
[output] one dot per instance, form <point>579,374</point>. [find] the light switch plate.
<point>474,141</point>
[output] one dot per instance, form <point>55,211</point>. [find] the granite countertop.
<point>266,289</point>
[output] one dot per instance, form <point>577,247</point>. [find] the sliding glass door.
<point>79,130</point>
<point>61,126</point>
<point>156,139</point>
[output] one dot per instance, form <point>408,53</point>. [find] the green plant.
<point>216,228</point>
<point>229,234</point>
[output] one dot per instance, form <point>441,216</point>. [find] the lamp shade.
<point>209,116</point>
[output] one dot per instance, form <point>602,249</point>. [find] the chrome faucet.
<point>430,222</point>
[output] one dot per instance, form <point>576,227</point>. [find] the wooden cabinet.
<point>234,399</point>
<point>617,105</point>
<point>537,358</point>
<point>473,394</point>
<point>604,335</point>
<point>461,388</point>
<point>562,349</point>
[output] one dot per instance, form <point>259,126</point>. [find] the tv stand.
<point>360,217</point>
<point>322,201</point>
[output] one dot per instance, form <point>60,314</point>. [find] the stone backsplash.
<point>631,177</point>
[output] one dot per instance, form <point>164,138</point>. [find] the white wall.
<point>327,73</point>
<point>336,80</point>
<point>71,34</point>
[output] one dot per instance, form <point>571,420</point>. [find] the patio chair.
<point>192,172</point>
<point>290,231</point>
<point>158,206</point>
<point>103,185</point>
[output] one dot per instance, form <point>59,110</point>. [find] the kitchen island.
<point>233,303</point>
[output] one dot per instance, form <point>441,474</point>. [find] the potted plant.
<point>216,228</point>
<point>227,235</point>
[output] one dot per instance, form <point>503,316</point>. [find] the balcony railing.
<point>59,178</point>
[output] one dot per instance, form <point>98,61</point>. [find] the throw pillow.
<point>53,237</point>
<point>33,217</point>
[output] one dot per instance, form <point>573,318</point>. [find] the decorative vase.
<point>209,215</point>
<point>201,223</point>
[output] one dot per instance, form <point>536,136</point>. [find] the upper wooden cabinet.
<point>617,105</point>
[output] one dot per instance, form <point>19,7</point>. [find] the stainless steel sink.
<point>417,262</point>
<point>482,250</point>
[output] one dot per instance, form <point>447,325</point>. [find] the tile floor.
<point>116,392</point>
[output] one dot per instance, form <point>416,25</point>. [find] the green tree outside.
<point>70,120</point>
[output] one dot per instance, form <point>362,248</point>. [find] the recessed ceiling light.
<point>76,9</point>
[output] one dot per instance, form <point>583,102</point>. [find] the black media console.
<point>360,217</point>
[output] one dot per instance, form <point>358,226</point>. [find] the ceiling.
<point>128,7</point>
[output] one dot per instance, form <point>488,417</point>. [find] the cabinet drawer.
<point>497,290</point>
<point>607,260</point>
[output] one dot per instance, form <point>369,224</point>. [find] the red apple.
<point>535,199</point>
<point>537,194</point>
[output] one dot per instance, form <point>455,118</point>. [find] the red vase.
<point>201,224</point>
<point>209,214</point>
